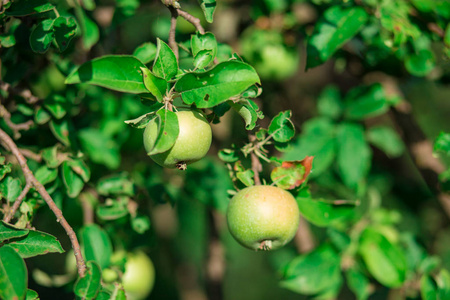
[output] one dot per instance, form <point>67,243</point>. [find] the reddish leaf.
<point>292,174</point>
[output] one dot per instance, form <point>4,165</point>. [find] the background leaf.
<point>96,245</point>
<point>337,26</point>
<point>116,72</point>
<point>13,275</point>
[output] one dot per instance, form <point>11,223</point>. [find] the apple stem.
<point>265,245</point>
<point>181,165</point>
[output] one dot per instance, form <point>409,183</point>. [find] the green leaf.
<point>42,36</point>
<point>208,7</point>
<point>201,42</point>
<point>96,244</point>
<point>27,7</point>
<point>353,155</point>
<point>166,132</point>
<point>100,148</point>
<point>442,143</point>
<point>10,188</point>
<point>73,182</point>
<point>329,103</point>
<point>428,288</point>
<point>60,130</point>
<point>385,261</point>
<point>443,283</point>
<point>65,30</point>
<point>41,116</point>
<point>145,52</point>
<point>36,243</point>
<point>8,232</point>
<point>116,72</point>
<point>225,80</point>
<point>13,275</point>
<point>314,272</point>
<point>165,64</point>
<point>32,295</point>
<point>46,175</point>
<point>228,155</point>
<point>142,121</point>
<point>155,85</point>
<point>117,184</point>
<point>246,177</point>
<point>88,286</point>
<point>386,139</point>
<point>50,156</point>
<point>281,127</point>
<point>203,58</point>
<point>321,212</point>
<point>247,111</point>
<point>337,26</point>
<point>365,102</point>
<point>7,40</point>
<point>5,169</point>
<point>358,283</point>
<point>140,224</point>
<point>89,29</point>
<point>113,209</point>
<point>56,105</point>
<point>318,140</point>
<point>421,63</point>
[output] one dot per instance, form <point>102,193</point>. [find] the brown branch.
<point>16,128</point>
<point>16,205</point>
<point>433,27</point>
<point>24,93</point>
<point>304,240</point>
<point>419,146</point>
<point>88,210</point>
<point>48,199</point>
<point>173,27</point>
<point>30,154</point>
<point>256,164</point>
<point>191,19</point>
<point>216,261</point>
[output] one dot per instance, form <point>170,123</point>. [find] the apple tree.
<point>221,149</point>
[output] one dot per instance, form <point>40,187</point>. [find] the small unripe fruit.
<point>263,217</point>
<point>139,276</point>
<point>192,144</point>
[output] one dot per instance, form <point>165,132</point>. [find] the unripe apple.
<point>139,276</point>
<point>192,143</point>
<point>263,217</point>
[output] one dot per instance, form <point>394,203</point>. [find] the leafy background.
<point>343,69</point>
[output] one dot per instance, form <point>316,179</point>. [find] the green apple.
<point>192,143</point>
<point>139,276</point>
<point>263,217</point>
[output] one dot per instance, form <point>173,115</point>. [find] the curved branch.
<point>173,27</point>
<point>14,127</point>
<point>47,198</point>
<point>16,205</point>
<point>191,19</point>
<point>256,164</point>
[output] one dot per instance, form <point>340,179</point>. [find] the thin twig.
<point>191,19</point>
<point>16,205</point>
<point>256,164</point>
<point>418,144</point>
<point>16,128</point>
<point>48,199</point>
<point>173,27</point>
<point>25,152</point>
<point>24,93</point>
